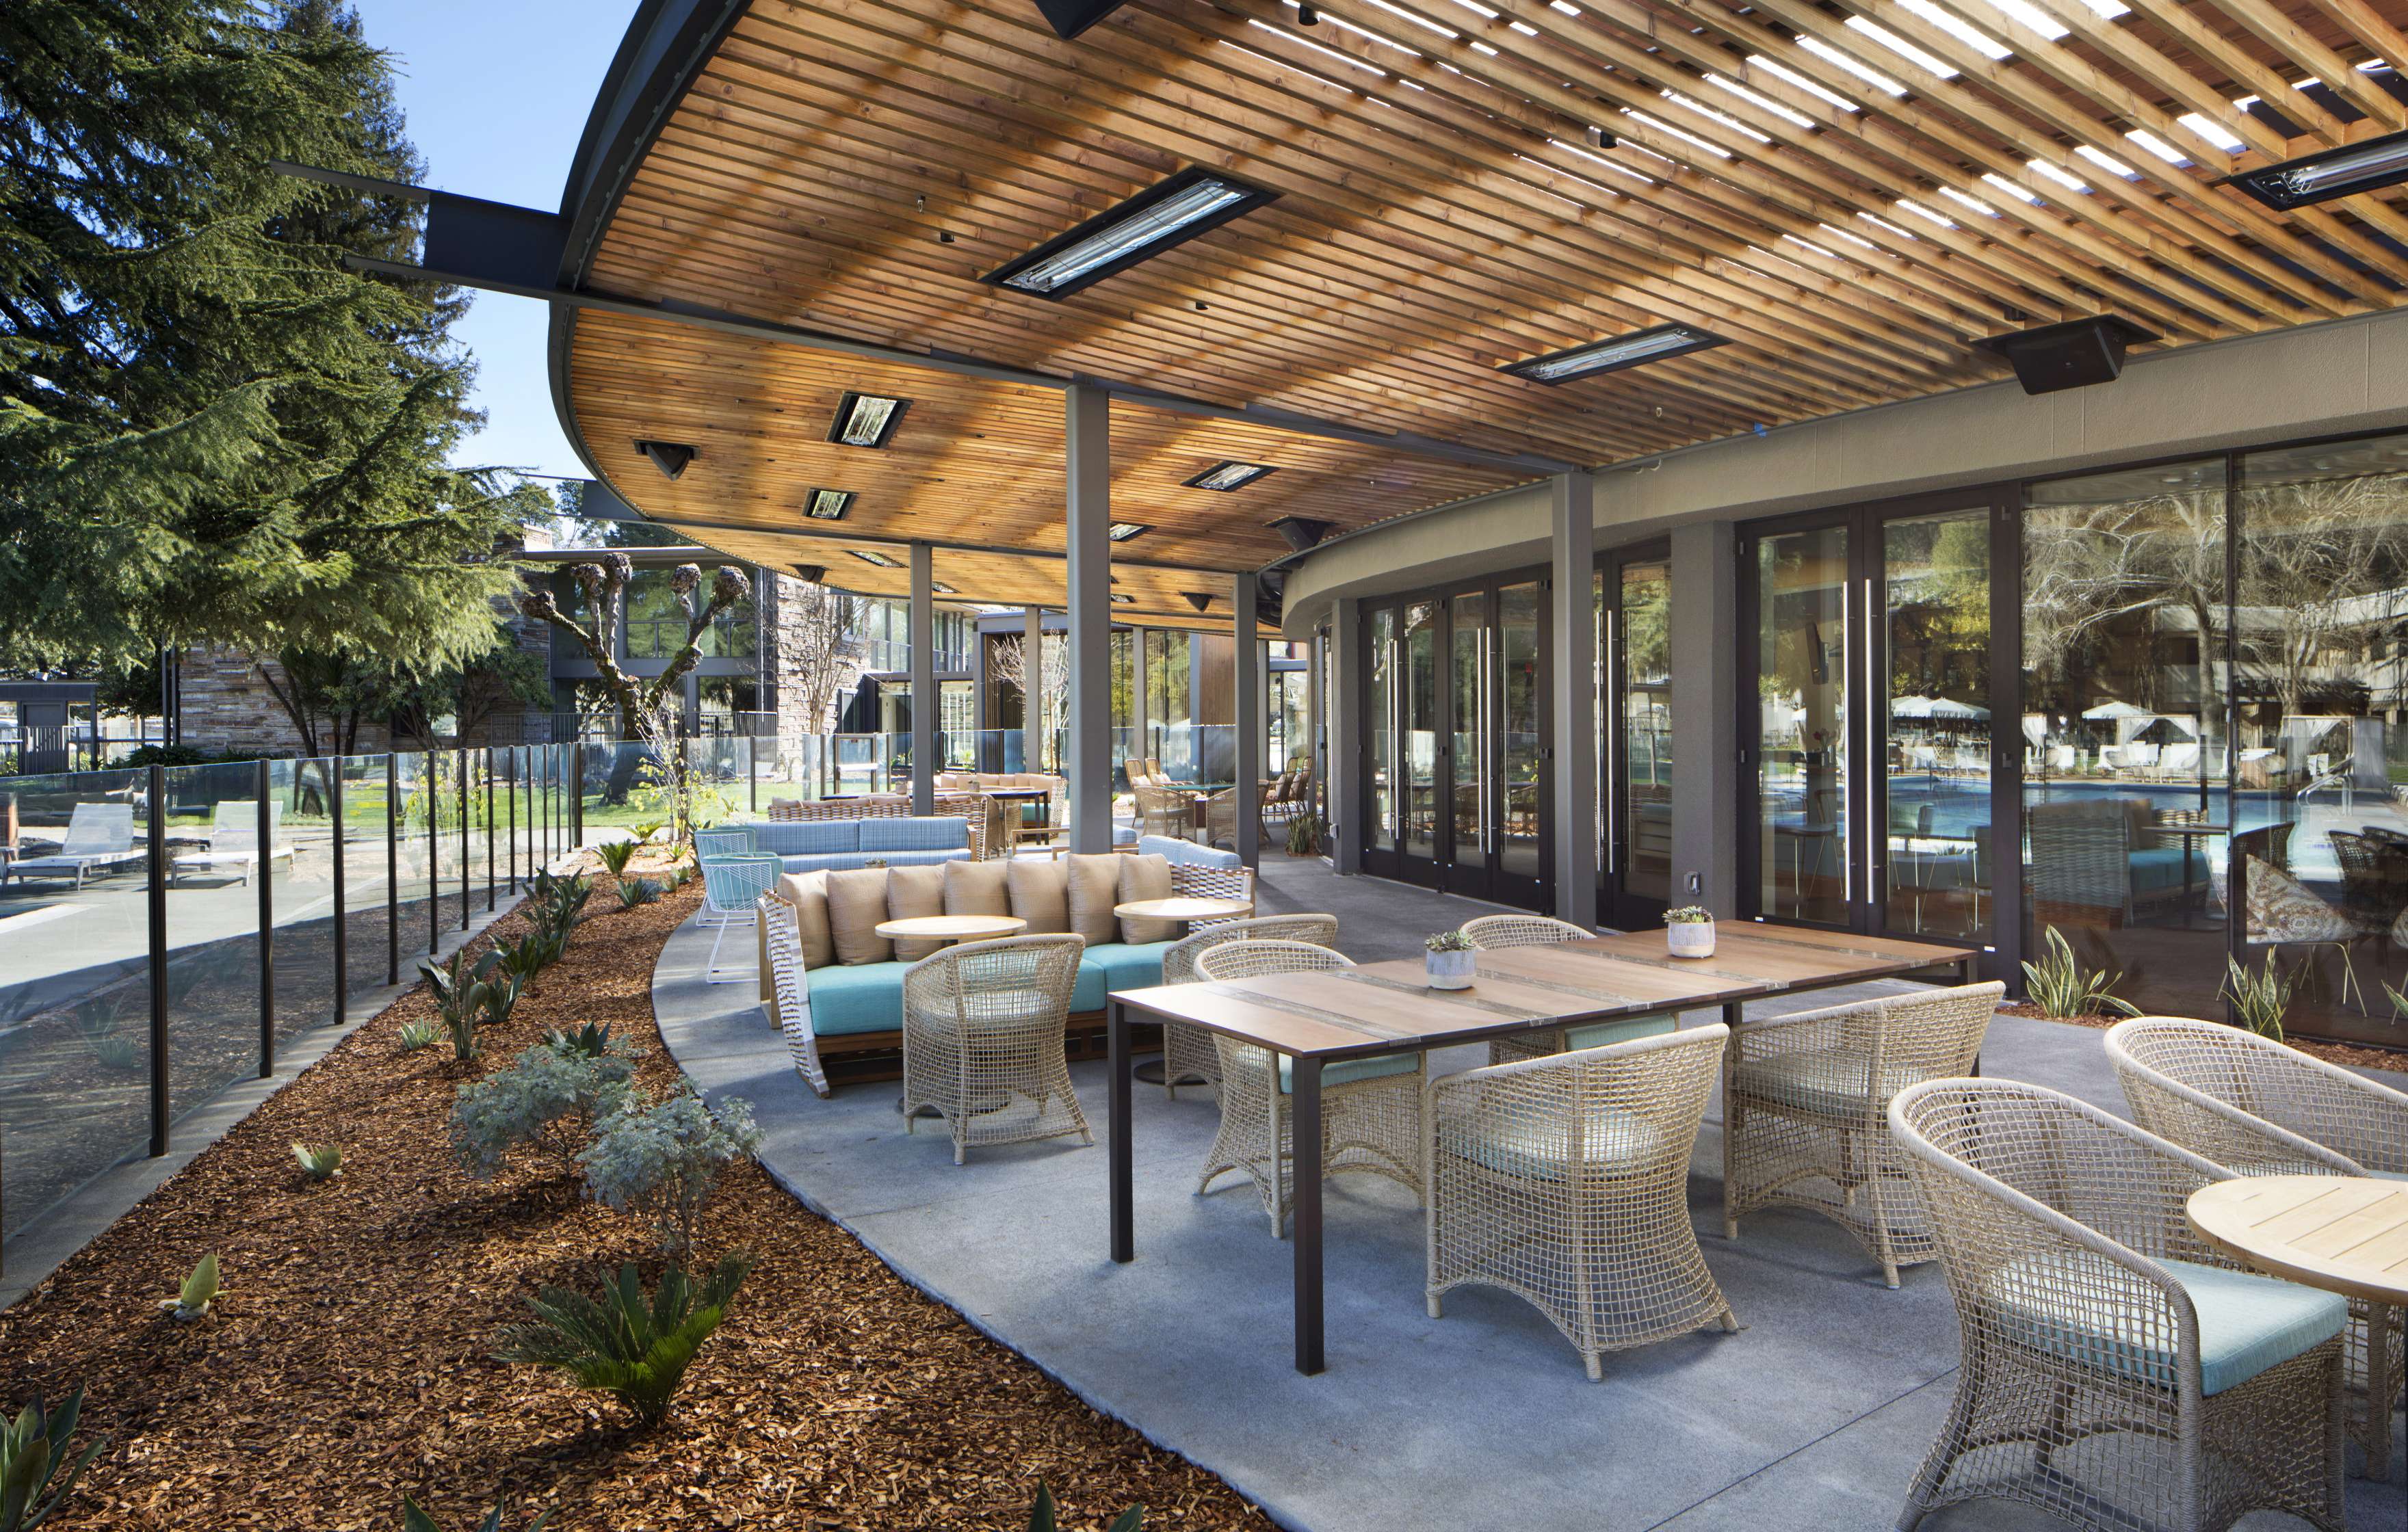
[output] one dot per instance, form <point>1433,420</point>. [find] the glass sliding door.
<point>1935,854</point>
<point>1422,728</point>
<point>1382,770</point>
<point>1809,642</point>
<point>1523,854</point>
<point>1469,729</point>
<point>1635,760</point>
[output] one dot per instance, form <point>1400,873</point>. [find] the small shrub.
<point>320,1162</point>
<point>589,1040</point>
<point>1040,1516</point>
<point>634,1349</point>
<point>200,1290</point>
<point>414,1035</point>
<point>548,1099</point>
<point>32,1447</point>
<point>2260,998</point>
<point>615,855</point>
<point>2061,986</point>
<point>661,1159</point>
<point>637,891</point>
<point>415,1519</point>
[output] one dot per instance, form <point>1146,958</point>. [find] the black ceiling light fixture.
<point>1229,474</point>
<point>867,419</point>
<point>1123,531</point>
<point>812,574</point>
<point>1200,600</point>
<point>2365,166</point>
<point>2076,354</point>
<point>669,457</point>
<point>1301,532</point>
<point>878,559</point>
<point>1163,215</point>
<point>827,505</point>
<point>1613,355</point>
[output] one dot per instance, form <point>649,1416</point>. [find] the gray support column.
<point>1032,688</point>
<point>1088,412</point>
<point>1138,744</point>
<point>1572,558</point>
<point>1248,710</point>
<point>1705,700</point>
<point>922,631</point>
<point>1345,785</point>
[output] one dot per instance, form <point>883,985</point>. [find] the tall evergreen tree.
<point>210,430</point>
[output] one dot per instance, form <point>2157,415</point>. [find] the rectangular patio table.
<point>1385,1008</point>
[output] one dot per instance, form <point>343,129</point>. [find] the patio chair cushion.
<point>2161,867</point>
<point>857,903</point>
<point>937,833</point>
<point>2064,1302</point>
<point>1827,1081</point>
<point>1041,895</point>
<point>1535,1147</point>
<point>1145,877</point>
<point>807,836</point>
<point>977,888</point>
<point>1094,880</point>
<point>1105,966</point>
<point>1605,1034</point>
<point>911,893</point>
<point>1351,1071</point>
<point>856,998</point>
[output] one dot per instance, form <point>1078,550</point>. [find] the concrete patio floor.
<point>1814,1416</point>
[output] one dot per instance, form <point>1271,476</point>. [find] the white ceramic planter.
<point>1449,970</point>
<point>1690,938</point>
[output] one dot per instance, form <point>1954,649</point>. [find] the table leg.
<point>1116,1032</point>
<point>1306,1131</point>
<point>1734,1012</point>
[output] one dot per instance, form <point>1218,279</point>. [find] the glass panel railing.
<point>297,867</point>
<point>215,1006</point>
<point>370,954</point>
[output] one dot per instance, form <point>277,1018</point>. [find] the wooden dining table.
<point>1318,1019</point>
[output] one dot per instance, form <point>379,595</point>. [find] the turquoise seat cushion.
<point>2081,1306</point>
<point>1827,1081</point>
<point>854,997</point>
<point>2161,867</point>
<point>1605,1034</point>
<point>807,837</point>
<point>1535,1147</point>
<point>1348,1071</point>
<point>914,835</point>
<point>1109,965</point>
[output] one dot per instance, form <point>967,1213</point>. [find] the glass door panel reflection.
<point>1380,708</point>
<point>1937,853</point>
<point>1422,728</point>
<point>1644,709</point>
<point>1805,645</point>
<point>1522,833</point>
<point>1467,753</point>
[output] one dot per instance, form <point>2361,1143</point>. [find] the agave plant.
<point>200,1290</point>
<point>2061,986</point>
<point>634,1347</point>
<point>589,1041</point>
<point>319,1161</point>
<point>415,1519</point>
<point>414,1035</point>
<point>637,891</point>
<point>615,855</point>
<point>1041,1517</point>
<point>32,1447</point>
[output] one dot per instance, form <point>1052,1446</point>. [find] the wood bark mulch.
<point>2349,1055</point>
<point>349,1360</point>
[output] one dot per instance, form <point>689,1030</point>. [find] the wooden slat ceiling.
<point>857,166</point>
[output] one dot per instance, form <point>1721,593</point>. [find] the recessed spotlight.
<point>669,457</point>
<point>1629,351</point>
<point>867,419</point>
<point>1228,474</point>
<point>1123,531</point>
<point>1161,216</point>
<point>2331,173</point>
<point>878,559</point>
<point>827,505</point>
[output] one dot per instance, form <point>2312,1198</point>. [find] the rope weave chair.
<point>732,887</point>
<point>1370,1110</point>
<point>2115,1369</point>
<point>984,1027</point>
<point>781,924</point>
<point>1188,1056</point>
<point>2261,1108</point>
<point>1565,1181</point>
<point>1489,932</point>
<point>1804,1104</point>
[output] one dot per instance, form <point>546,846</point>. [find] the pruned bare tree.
<point>1009,661</point>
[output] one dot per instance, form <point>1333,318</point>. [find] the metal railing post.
<point>577,795</point>
<point>158,961</point>
<point>342,915</point>
<point>433,852</point>
<point>460,768</point>
<point>489,829</point>
<point>263,868</point>
<point>391,871</point>
<point>515,753</point>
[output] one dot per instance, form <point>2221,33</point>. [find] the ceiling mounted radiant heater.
<point>1630,351</point>
<point>878,559</point>
<point>2331,173</point>
<point>1123,531</point>
<point>867,419</point>
<point>827,505</point>
<point>669,457</point>
<point>1301,532</point>
<point>1228,474</point>
<point>1168,213</point>
<point>2076,354</point>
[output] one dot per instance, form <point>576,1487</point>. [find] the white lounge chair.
<point>234,842</point>
<point>99,837</point>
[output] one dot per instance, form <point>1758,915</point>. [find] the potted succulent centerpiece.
<point>1689,931</point>
<point>1448,960</point>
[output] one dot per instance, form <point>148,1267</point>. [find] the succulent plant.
<point>1447,941</point>
<point>414,1035</point>
<point>1041,1517</point>
<point>633,1347</point>
<point>319,1161</point>
<point>415,1519</point>
<point>637,890</point>
<point>1689,914</point>
<point>200,1290</point>
<point>615,855</point>
<point>32,1447</point>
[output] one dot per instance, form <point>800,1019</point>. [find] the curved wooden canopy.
<point>1851,192</point>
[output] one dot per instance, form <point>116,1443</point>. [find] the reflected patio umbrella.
<point>2116,712</point>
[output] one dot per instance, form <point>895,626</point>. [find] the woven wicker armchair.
<point>1188,1056</point>
<point>1565,1181</point>
<point>1371,1108</point>
<point>982,1040</point>
<point>780,924</point>
<point>2261,1108</point>
<point>1489,932</point>
<point>1802,1111</point>
<point>2116,1370</point>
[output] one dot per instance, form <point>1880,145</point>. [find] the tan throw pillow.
<point>977,888</point>
<point>911,893</point>
<point>1041,895</point>
<point>857,902</point>
<point>1146,876</point>
<point>1095,881</point>
<point>807,892</point>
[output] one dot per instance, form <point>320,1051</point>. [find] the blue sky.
<point>497,93</point>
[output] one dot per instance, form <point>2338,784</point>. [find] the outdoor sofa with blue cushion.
<point>830,844</point>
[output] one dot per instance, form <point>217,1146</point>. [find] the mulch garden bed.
<point>349,1360</point>
<point>2346,1055</point>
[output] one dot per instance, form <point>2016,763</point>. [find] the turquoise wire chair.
<point>708,844</point>
<point>732,887</point>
